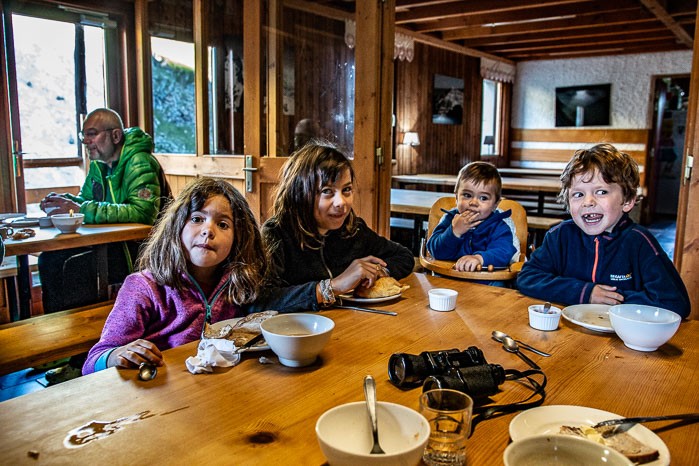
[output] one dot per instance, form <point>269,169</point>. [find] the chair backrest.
<point>519,218</point>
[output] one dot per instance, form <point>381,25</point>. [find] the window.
<point>174,111</point>
<point>60,76</point>
<point>490,120</point>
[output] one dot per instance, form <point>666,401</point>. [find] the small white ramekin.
<point>541,321</point>
<point>442,299</point>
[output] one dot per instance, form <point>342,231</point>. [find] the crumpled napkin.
<point>213,352</point>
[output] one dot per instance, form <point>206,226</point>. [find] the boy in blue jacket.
<point>474,232</point>
<point>601,256</point>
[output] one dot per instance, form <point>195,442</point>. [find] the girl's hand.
<point>134,353</point>
<point>463,222</point>
<point>605,294</point>
<point>361,272</point>
<point>468,263</point>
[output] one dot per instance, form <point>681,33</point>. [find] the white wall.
<point>533,105</point>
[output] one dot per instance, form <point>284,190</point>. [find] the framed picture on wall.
<point>583,105</point>
<point>447,100</point>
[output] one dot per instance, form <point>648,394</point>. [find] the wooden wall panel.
<point>534,157</point>
<point>443,148</point>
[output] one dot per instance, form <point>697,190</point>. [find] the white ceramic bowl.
<point>67,224</point>
<point>344,435</point>
<point>297,339</point>
<point>541,321</point>
<point>643,328</point>
<point>442,299</point>
<point>561,450</point>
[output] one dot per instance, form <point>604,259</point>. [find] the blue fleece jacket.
<point>570,263</point>
<point>494,239</point>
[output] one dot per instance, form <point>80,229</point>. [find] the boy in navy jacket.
<point>601,256</point>
<point>474,232</point>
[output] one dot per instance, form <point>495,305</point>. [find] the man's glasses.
<point>91,133</point>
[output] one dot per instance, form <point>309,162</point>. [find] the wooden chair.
<point>446,268</point>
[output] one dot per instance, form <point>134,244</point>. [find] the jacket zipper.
<point>322,259</point>
<point>594,265</point>
<point>207,305</point>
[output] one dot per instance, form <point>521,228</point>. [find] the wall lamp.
<point>411,138</point>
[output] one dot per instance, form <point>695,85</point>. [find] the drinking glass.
<point>449,414</point>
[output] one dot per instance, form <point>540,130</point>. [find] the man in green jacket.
<point>125,184</point>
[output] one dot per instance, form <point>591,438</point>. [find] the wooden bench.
<point>42,339</point>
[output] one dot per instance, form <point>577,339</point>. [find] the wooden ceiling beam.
<point>594,20</point>
<point>592,52</point>
<point>474,8</point>
<point>599,42</point>
<point>661,13</point>
<point>576,34</point>
<point>533,12</point>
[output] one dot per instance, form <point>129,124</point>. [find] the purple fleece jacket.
<point>162,315</point>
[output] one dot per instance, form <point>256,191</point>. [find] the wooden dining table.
<point>256,413</point>
<point>51,239</point>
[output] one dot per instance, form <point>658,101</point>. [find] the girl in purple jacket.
<point>203,261</point>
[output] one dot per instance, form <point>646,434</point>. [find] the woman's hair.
<point>614,166</point>
<point>480,173</point>
<point>164,255</point>
<point>315,165</point>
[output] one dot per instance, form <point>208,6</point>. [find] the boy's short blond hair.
<point>613,165</point>
<point>480,173</point>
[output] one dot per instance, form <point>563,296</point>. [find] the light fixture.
<point>411,138</point>
<point>403,45</point>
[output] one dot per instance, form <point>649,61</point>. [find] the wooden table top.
<point>410,201</point>
<point>51,239</point>
<point>522,183</point>
<point>266,414</point>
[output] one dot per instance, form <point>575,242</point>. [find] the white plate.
<point>22,222</point>
<point>354,299</point>
<point>592,316</point>
<point>549,419</point>
<point>259,346</point>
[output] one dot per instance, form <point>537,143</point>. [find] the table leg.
<point>24,285</point>
<point>540,203</point>
<point>102,272</point>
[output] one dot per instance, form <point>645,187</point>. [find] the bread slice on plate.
<point>623,442</point>
<point>243,331</point>
<point>383,287</point>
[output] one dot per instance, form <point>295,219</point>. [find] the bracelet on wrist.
<point>326,292</point>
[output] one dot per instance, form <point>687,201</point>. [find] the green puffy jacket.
<point>129,192</point>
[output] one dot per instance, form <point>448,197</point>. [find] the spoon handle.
<point>532,349</point>
<point>370,395</point>
<point>636,420</point>
<point>527,360</point>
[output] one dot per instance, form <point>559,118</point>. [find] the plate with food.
<point>241,330</point>
<point>383,289</point>
<point>591,316</point>
<point>639,443</point>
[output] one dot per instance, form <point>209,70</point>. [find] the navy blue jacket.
<point>494,239</point>
<point>570,263</point>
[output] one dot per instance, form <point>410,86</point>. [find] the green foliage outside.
<point>173,108</point>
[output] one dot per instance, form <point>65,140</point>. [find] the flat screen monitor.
<point>583,105</point>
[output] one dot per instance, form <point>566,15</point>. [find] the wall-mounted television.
<point>583,105</point>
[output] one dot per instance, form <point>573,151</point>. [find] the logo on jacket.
<point>615,277</point>
<point>145,193</point>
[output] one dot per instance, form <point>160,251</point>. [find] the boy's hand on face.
<point>605,294</point>
<point>468,263</point>
<point>463,222</point>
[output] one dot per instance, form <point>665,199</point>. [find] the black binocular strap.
<point>482,413</point>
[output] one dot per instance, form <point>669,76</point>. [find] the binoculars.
<point>466,371</point>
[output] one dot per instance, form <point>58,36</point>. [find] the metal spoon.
<point>547,306</point>
<point>370,395</point>
<point>499,336</point>
<point>147,371</point>
<point>510,345</point>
